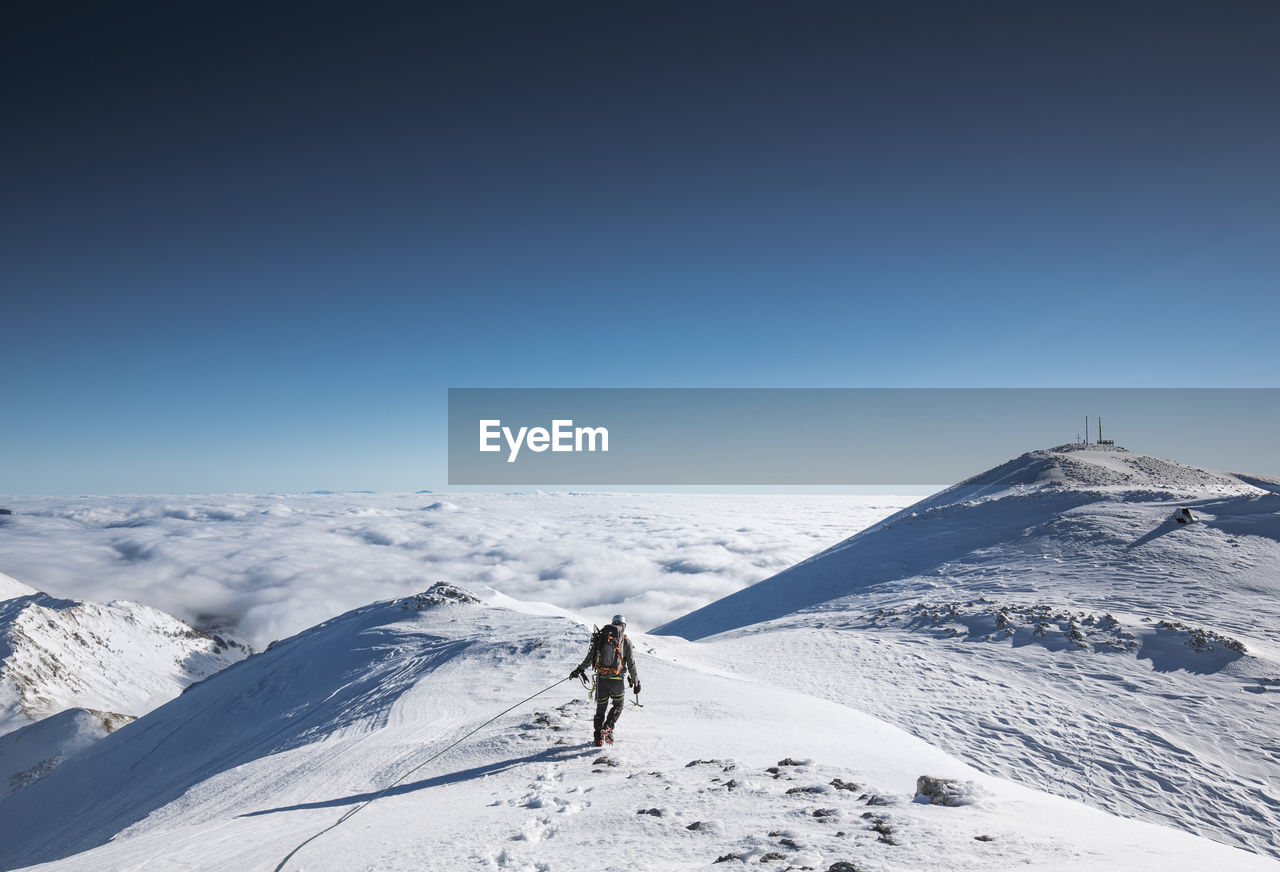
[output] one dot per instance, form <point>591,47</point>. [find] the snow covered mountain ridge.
<point>119,657</point>
<point>71,672</point>
<point>273,752</point>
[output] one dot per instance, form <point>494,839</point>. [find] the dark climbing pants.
<point>609,687</point>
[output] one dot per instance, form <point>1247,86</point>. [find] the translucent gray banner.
<point>833,436</point>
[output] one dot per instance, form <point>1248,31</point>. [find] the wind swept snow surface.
<point>713,772</point>
<point>1051,622</point>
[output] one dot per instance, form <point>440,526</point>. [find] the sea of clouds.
<point>266,567</point>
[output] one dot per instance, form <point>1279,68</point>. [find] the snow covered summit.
<point>1090,468</point>
<point>71,672</point>
<point>1053,621</point>
<point>1073,504</point>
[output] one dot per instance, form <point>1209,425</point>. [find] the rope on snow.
<point>350,814</point>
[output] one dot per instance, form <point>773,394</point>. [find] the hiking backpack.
<point>609,659</point>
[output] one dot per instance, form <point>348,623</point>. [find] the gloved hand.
<point>577,673</point>
<point>635,685</point>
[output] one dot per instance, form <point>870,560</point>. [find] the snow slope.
<point>279,748</point>
<point>34,750</point>
<point>11,587</point>
<point>1048,621</point>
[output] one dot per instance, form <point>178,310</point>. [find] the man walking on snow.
<point>610,655</point>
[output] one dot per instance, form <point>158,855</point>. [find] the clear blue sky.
<point>250,250</point>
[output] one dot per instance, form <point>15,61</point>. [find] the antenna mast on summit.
<point>1086,429</point>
